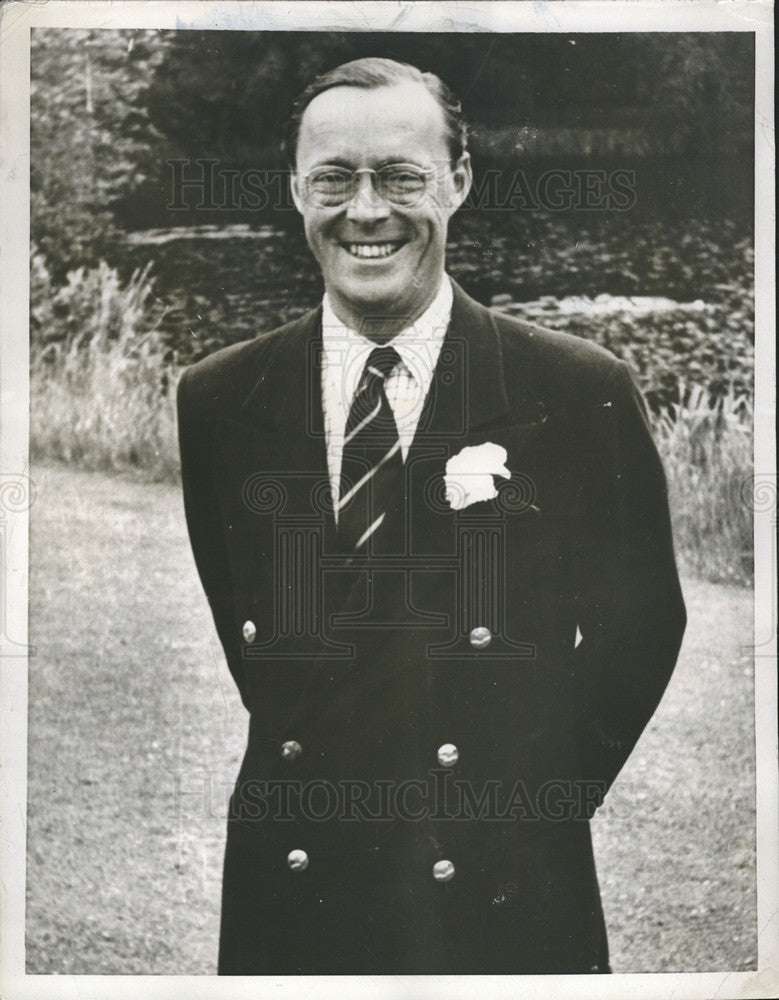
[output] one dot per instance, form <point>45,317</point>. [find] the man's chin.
<point>382,298</point>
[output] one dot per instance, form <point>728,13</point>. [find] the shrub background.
<point>106,357</point>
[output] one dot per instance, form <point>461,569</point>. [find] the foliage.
<point>707,338</point>
<point>224,96</point>
<point>528,255</point>
<point>87,138</point>
<point>699,89</point>
<point>705,344</point>
<point>223,91</point>
<point>102,383</point>
<point>221,291</point>
<point>706,449</point>
<point>111,108</point>
<point>91,305</point>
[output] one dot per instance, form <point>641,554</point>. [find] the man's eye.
<point>331,178</point>
<point>403,177</point>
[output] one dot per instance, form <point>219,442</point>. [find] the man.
<point>435,541</point>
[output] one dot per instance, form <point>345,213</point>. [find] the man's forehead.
<point>367,120</point>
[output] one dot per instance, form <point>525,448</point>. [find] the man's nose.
<point>366,204</point>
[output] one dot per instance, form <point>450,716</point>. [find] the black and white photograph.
<point>388,500</point>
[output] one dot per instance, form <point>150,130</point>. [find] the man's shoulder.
<point>565,371</point>
<point>526,341</point>
<point>228,375</point>
<point>555,365</point>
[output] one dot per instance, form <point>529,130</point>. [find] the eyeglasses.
<point>398,183</point>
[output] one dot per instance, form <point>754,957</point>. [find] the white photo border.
<point>15,485</point>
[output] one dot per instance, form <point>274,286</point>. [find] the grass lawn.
<point>136,734</point>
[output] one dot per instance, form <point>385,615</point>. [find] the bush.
<point>707,453</point>
<point>103,396</point>
<point>711,343</point>
<point>530,254</point>
<point>102,382</point>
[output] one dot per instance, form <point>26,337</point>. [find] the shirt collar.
<point>418,344</point>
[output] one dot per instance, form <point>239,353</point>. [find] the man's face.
<point>379,260</point>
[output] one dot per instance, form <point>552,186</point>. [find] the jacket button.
<point>249,631</point>
<point>443,871</point>
<point>291,749</point>
<point>480,637</point>
<point>297,861</point>
<point>448,755</point>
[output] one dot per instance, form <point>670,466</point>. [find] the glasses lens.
<point>330,186</point>
<point>401,183</point>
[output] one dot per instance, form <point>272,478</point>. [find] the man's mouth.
<point>372,251</point>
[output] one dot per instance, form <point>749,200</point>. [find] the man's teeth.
<point>371,249</point>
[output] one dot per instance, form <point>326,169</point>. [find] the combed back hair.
<point>369,74</point>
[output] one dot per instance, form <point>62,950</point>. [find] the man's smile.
<point>378,250</point>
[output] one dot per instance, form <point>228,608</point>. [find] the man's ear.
<point>294,184</point>
<point>460,182</point>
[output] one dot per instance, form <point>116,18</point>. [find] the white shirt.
<point>344,355</point>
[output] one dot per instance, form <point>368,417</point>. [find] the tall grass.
<point>706,447</point>
<point>103,396</point>
<point>102,383</point>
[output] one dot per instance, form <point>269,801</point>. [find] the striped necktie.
<point>371,496</point>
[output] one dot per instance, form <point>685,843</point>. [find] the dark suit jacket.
<point>371,666</point>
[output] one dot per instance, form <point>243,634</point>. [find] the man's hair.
<point>369,74</point>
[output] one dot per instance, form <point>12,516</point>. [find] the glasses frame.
<point>310,198</point>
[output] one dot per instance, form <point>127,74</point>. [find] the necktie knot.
<point>366,405</point>
<point>380,363</point>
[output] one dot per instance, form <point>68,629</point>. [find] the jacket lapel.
<point>285,405</point>
<point>273,484</point>
<point>468,404</point>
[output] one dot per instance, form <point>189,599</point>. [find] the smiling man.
<point>376,212</point>
<point>436,545</point>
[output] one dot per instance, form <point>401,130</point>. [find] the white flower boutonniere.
<point>469,474</point>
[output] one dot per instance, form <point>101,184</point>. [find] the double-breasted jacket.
<point>431,729</point>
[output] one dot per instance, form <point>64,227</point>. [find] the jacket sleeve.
<point>630,609</point>
<point>205,525</point>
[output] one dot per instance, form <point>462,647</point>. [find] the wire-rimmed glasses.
<point>402,184</point>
